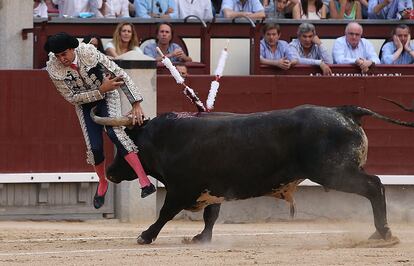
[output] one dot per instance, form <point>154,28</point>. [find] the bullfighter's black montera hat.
<point>60,42</point>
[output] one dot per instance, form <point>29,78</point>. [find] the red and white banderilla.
<point>218,73</point>
<point>187,90</point>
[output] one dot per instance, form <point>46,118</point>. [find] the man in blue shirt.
<point>273,51</point>
<point>308,49</point>
<point>352,49</point>
<point>155,9</point>
<point>399,51</point>
<point>236,8</point>
<point>163,41</point>
<point>389,9</point>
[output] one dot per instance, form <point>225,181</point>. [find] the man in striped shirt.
<point>308,49</point>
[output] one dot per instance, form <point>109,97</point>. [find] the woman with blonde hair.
<point>124,40</point>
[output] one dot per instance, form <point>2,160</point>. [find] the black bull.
<point>207,158</point>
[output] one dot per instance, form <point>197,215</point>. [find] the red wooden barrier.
<point>39,130</point>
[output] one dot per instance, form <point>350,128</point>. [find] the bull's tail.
<point>357,113</point>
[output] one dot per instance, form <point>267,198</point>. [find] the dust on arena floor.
<point>108,242</point>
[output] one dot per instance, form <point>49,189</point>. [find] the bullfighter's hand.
<point>137,114</point>
<point>110,84</point>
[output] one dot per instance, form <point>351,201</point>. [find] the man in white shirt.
<point>72,8</point>
<point>352,49</point>
<point>199,8</point>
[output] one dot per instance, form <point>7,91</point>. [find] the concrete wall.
<point>15,15</point>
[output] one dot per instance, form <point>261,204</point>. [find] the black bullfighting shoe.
<point>98,201</point>
<point>148,190</point>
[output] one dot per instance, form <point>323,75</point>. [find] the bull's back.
<point>256,151</point>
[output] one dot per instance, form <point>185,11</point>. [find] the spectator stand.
<point>206,33</point>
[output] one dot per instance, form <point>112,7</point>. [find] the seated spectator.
<point>273,51</point>
<point>352,49</point>
<point>182,69</point>
<point>39,9</point>
<point>124,40</point>
<point>155,9</point>
<point>398,51</point>
<point>309,9</point>
<point>173,51</point>
<point>73,8</point>
<point>199,8</point>
<point>96,41</point>
<point>236,8</point>
<point>389,9</point>
<point>279,8</point>
<point>114,9</point>
<point>276,9</point>
<point>345,9</point>
<point>308,49</point>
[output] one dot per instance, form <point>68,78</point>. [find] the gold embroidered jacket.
<point>82,86</point>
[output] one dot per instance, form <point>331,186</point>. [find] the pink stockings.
<point>133,160</point>
<point>103,183</point>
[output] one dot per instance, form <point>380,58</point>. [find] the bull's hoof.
<point>378,243</point>
<point>198,239</point>
<point>378,240</point>
<point>387,235</point>
<point>142,241</point>
<point>201,239</point>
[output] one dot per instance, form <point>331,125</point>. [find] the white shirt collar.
<point>75,60</point>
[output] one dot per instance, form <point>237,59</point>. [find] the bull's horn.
<point>398,104</point>
<point>110,121</point>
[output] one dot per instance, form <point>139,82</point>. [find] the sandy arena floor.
<point>108,242</point>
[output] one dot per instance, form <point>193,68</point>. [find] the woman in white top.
<point>124,40</point>
<point>309,9</point>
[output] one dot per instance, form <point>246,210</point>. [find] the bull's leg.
<point>170,209</point>
<point>368,186</point>
<point>210,215</point>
